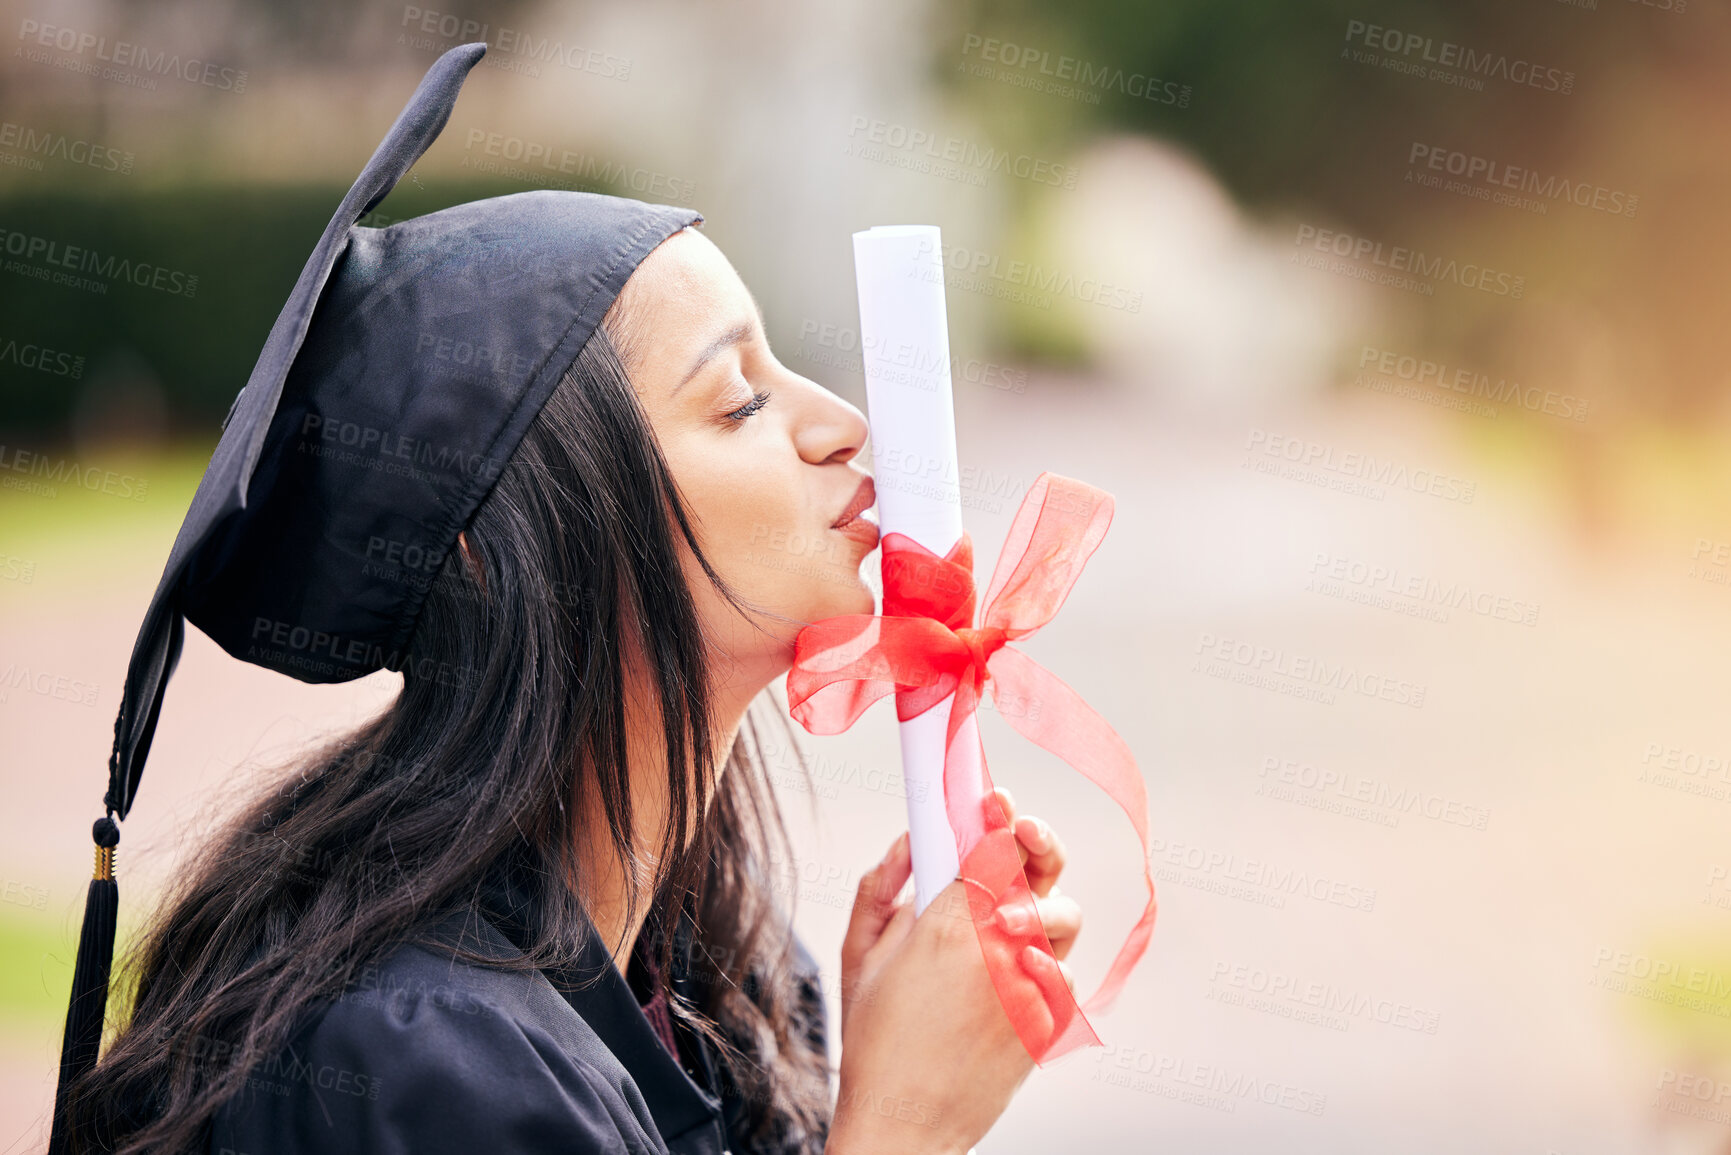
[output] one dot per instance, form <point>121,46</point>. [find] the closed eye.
<point>758,401</point>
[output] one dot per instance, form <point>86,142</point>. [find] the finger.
<point>1043,853</point>
<point>1059,915</point>
<point>873,907</point>
<point>1008,805</point>
<point>895,933</point>
<point>1062,918</point>
<point>1047,972</point>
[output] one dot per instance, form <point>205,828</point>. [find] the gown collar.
<point>688,1115</point>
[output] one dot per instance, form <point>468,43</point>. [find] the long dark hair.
<point>511,718</point>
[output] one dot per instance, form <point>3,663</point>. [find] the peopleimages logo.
<point>1304,778</point>
<point>972,266</point>
<point>122,54</point>
<point>958,150</point>
<point>375,448</point>
<point>58,263</point>
<point>1202,1084</point>
<point>1083,75</point>
<point>921,363</point>
<point>1414,53</point>
<point>1271,452</point>
<point>48,684</point>
<point>28,147</point>
<point>1516,185</point>
<point>55,362</point>
<point>1303,675</point>
<point>1399,260</point>
<point>1331,571</point>
<point>41,474</point>
<point>1187,863</point>
<point>512,49</point>
<point>538,159</point>
<point>1396,365</point>
<point>1662,980</point>
<point>1329,998</point>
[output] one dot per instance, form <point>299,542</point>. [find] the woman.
<point>532,906</point>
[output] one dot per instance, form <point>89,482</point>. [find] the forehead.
<point>685,278</point>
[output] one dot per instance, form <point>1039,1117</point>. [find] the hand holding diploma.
<point>925,648</point>
<point>920,978</point>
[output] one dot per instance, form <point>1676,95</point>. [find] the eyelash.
<point>758,401</point>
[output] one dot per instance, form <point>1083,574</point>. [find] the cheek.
<point>750,515</point>
<point>754,519</point>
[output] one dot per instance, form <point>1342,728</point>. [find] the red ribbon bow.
<point>925,648</point>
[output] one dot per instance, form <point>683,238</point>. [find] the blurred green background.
<point>1270,109</point>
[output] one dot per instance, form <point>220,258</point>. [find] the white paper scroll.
<point>905,342</point>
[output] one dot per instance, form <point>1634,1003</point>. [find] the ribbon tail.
<point>1039,1003</point>
<point>1058,720</point>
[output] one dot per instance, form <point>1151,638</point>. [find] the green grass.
<point>36,954</point>
<point>1690,1011</point>
<point>76,537</point>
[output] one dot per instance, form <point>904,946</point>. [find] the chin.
<point>864,601</point>
<point>843,593</point>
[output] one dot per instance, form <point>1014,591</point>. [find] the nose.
<point>827,428</point>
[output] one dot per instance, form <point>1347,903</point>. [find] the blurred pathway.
<point>1383,926</point>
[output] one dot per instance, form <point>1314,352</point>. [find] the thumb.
<point>874,904</point>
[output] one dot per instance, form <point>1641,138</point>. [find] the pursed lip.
<point>863,499</point>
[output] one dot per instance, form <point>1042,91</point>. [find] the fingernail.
<point>1016,919</point>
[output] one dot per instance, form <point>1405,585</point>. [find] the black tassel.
<point>89,981</point>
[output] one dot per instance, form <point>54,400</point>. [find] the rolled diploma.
<point>905,346</point>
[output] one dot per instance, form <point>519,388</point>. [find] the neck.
<point>604,876</point>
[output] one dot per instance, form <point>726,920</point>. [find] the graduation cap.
<point>396,383</point>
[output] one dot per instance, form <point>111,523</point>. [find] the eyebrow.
<point>733,336</point>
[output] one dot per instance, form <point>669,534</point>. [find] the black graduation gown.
<point>431,1055</point>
